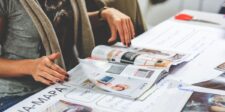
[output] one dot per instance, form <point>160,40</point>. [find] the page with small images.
<point>124,80</point>
<point>138,56</point>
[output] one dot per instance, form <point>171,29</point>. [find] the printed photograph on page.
<point>63,106</point>
<point>129,55</point>
<point>205,102</point>
<point>221,67</point>
<point>163,54</point>
<point>217,83</point>
<point>120,86</point>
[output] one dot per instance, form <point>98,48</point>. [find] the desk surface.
<point>212,56</point>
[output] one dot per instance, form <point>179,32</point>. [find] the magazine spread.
<point>127,72</point>
<point>128,81</point>
<point>139,56</point>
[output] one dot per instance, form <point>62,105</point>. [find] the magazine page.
<point>138,56</point>
<point>178,36</point>
<point>64,106</point>
<point>217,83</point>
<point>128,81</point>
<point>205,102</point>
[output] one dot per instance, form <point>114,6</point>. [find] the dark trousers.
<point>7,102</point>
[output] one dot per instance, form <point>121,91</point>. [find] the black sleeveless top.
<point>60,13</point>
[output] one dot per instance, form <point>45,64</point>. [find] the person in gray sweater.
<point>41,39</point>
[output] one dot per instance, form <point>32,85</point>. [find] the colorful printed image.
<point>143,73</point>
<point>106,81</point>
<point>217,83</point>
<point>129,57</point>
<point>205,102</point>
<point>221,67</point>
<point>162,63</point>
<point>155,52</point>
<point>63,106</point>
<point>116,69</point>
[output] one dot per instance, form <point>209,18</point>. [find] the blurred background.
<point>159,10</point>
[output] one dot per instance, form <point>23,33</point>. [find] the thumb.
<point>54,56</point>
<point>113,37</point>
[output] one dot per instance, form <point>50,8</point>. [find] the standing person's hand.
<point>121,23</point>
<point>47,72</point>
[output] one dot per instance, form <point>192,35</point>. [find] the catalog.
<point>127,72</point>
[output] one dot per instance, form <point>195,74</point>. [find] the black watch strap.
<point>100,13</point>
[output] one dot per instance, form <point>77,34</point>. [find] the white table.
<point>109,103</point>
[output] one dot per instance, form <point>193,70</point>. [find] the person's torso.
<point>61,15</point>
<point>22,41</point>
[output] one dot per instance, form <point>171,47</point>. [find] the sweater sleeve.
<point>3,7</point>
<point>2,14</point>
<point>94,5</point>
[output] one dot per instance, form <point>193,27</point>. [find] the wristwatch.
<point>100,13</point>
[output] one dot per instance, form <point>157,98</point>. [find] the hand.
<point>121,23</point>
<point>47,72</point>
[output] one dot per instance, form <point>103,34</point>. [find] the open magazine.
<point>139,56</point>
<point>127,72</point>
<point>129,81</point>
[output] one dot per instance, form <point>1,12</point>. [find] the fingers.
<point>55,67</point>
<point>121,32</point>
<point>130,23</point>
<point>49,78</point>
<point>54,56</point>
<point>126,33</point>
<point>44,80</point>
<point>55,74</point>
<point>113,37</point>
<point>47,72</point>
<point>120,23</point>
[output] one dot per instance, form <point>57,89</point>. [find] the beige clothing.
<point>84,39</point>
<point>130,8</point>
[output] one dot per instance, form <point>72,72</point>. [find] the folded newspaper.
<point>127,72</point>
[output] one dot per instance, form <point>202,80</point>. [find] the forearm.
<point>94,18</point>
<point>15,68</point>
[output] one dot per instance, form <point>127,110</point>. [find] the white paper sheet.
<point>191,39</point>
<point>179,37</point>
